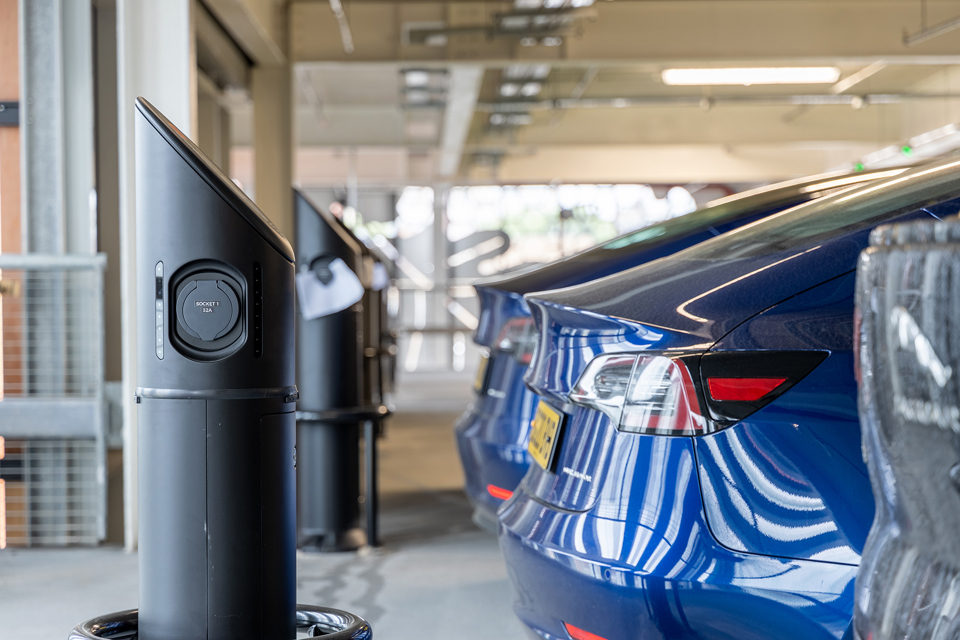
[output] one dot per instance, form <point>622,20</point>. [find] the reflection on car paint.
<point>501,302</point>
<point>752,531</point>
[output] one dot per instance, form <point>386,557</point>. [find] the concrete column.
<point>41,126</point>
<point>273,143</point>
<point>57,153</point>
<point>156,59</point>
<point>57,126</point>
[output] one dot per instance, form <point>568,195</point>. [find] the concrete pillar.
<point>273,143</point>
<point>57,153</point>
<point>156,59</point>
<point>41,126</point>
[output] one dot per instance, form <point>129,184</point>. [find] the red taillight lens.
<point>656,393</point>
<point>519,338</point>
<point>499,492</point>
<point>579,634</point>
<point>650,394</point>
<point>742,389</point>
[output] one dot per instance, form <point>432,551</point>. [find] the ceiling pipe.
<point>928,33</point>
<point>856,101</point>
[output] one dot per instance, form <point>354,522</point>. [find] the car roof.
<point>597,261</point>
<point>709,288</point>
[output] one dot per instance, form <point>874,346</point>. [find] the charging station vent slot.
<point>257,310</point>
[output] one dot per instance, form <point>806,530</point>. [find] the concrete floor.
<point>436,575</point>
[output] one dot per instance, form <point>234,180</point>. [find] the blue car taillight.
<point>651,394</point>
<point>660,394</point>
<point>518,338</point>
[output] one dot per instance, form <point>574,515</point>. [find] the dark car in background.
<point>909,302</point>
<point>492,434</point>
<point>697,442</point>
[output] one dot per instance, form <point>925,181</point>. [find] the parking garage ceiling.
<point>573,90</point>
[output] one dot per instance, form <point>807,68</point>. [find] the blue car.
<point>908,286</point>
<point>698,467</point>
<point>492,434</point>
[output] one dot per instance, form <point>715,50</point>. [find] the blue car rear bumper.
<point>489,462</point>
<point>637,584</point>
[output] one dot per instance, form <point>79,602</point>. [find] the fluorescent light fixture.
<point>886,154</point>
<point>751,75</point>
<point>418,96</point>
<point>925,145</point>
<point>416,78</point>
<point>511,120</point>
<point>509,90</point>
<point>525,71</point>
<point>933,136</point>
<point>530,89</point>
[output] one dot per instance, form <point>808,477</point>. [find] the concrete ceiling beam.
<point>661,31</point>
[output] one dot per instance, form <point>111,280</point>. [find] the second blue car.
<point>699,470</point>
<point>492,434</point>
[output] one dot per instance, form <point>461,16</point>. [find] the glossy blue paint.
<point>789,480</point>
<point>496,308</point>
<point>753,531</point>
<point>643,564</point>
<point>491,444</point>
<point>492,434</point>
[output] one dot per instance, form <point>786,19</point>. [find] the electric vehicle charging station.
<point>216,415</point>
<point>341,387</point>
<point>330,372</point>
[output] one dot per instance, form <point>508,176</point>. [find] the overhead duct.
<point>524,106</point>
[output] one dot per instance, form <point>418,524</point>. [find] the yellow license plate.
<point>481,374</point>
<point>543,434</point>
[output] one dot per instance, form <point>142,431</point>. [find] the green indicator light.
<point>906,150</point>
<point>858,167</point>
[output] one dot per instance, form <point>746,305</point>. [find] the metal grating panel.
<point>52,413</point>
<point>51,496</point>
<point>51,334</point>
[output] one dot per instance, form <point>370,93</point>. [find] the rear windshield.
<point>847,212</point>
<point>741,204</point>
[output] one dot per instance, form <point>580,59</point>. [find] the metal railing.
<point>435,326</point>
<point>52,412</point>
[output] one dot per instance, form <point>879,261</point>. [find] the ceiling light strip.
<point>750,76</point>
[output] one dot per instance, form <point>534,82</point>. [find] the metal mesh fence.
<point>51,496</point>
<point>51,333</point>
<point>52,413</point>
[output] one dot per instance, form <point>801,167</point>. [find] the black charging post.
<point>338,396</point>
<point>216,415</point>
